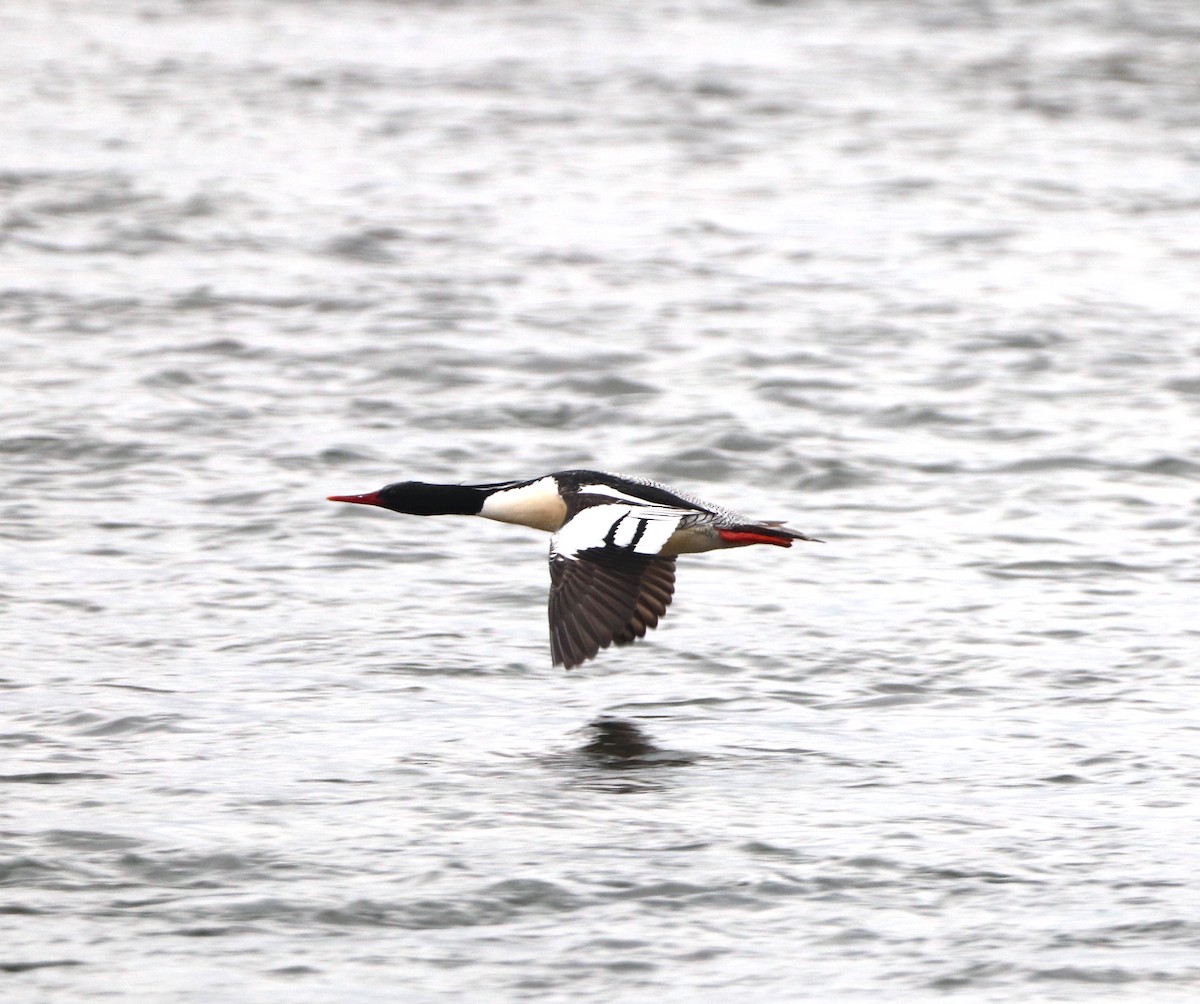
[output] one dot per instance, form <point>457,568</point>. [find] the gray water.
<point>919,277</point>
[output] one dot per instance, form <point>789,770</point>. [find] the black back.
<point>655,494</point>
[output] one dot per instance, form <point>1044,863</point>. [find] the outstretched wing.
<point>608,583</point>
<point>657,588</point>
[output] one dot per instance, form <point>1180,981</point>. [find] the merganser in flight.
<point>612,553</point>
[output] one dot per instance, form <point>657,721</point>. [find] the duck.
<point>614,541</point>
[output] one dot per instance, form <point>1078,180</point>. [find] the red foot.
<point>747,537</point>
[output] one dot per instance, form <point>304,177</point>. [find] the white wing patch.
<point>641,529</point>
<point>609,492</point>
<point>624,532</point>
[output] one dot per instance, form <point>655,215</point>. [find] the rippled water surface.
<point>920,277</point>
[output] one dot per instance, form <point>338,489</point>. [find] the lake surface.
<point>919,277</point>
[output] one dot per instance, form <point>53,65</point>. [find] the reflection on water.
<point>616,741</point>
<point>618,757</point>
<point>619,744</point>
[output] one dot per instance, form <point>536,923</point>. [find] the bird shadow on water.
<point>618,756</point>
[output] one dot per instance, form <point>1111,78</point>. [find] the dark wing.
<point>608,582</point>
<point>657,588</point>
<point>605,596</point>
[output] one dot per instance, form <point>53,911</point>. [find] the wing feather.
<point>597,604</point>
<point>608,583</point>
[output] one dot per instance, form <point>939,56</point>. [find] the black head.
<point>420,499</point>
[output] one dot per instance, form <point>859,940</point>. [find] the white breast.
<point>537,505</point>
